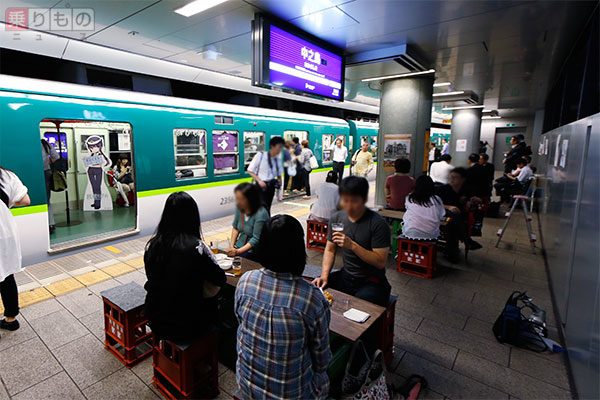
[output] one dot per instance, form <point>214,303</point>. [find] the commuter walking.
<point>445,147</point>
<point>12,194</point>
<point>340,153</point>
<point>363,161</point>
<point>266,169</point>
<point>183,275</point>
<point>283,334</point>
<point>49,156</point>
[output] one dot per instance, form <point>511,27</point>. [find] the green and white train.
<point>172,144</point>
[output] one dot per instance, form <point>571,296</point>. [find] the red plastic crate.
<point>417,257</point>
<point>185,371</point>
<point>316,235</point>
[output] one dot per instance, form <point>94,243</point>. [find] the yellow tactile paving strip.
<point>70,284</point>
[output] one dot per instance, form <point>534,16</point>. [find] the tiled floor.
<point>442,331</point>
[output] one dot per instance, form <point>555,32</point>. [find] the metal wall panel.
<point>570,226</point>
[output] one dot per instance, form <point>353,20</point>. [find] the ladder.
<point>522,200</point>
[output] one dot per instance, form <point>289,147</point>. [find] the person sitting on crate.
<point>183,275</point>
<point>365,242</point>
<point>398,185</point>
<point>459,200</point>
<point>328,199</point>
<point>283,334</point>
<point>424,210</point>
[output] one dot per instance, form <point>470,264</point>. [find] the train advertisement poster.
<point>395,146</point>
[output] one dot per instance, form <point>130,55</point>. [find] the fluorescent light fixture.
<point>197,6</point>
<point>461,107</point>
<point>491,117</point>
<point>448,93</point>
<point>486,110</point>
<point>377,78</point>
<point>442,84</point>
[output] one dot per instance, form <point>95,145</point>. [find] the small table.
<point>339,324</point>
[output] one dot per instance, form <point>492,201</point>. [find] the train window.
<point>289,135</point>
<point>221,119</point>
<point>254,142</point>
<point>374,146</point>
<point>225,152</point>
<point>91,187</point>
<point>327,157</point>
<point>190,153</point>
<point>351,144</point>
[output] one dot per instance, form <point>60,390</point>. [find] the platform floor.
<point>442,331</point>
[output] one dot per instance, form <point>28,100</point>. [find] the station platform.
<point>443,327</point>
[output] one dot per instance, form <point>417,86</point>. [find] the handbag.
<point>375,386</point>
<point>314,164</point>
<point>357,368</point>
<point>291,169</point>
<point>59,181</point>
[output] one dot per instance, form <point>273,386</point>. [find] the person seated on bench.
<point>365,242</point>
<point>283,337</point>
<point>183,275</point>
<point>424,210</point>
<point>398,185</point>
<point>250,216</point>
<point>328,199</point>
<point>514,183</point>
<point>458,197</point>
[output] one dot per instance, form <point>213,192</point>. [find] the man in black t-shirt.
<point>365,242</point>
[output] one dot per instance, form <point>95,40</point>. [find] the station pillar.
<point>466,131</point>
<point>405,109</point>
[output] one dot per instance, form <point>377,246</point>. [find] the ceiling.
<point>505,51</point>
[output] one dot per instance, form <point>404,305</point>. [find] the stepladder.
<point>519,200</point>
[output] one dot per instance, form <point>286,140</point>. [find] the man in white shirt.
<point>266,168</point>
<point>525,172</point>
<point>440,169</point>
<point>340,153</point>
<point>446,147</point>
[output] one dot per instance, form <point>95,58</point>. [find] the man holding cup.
<point>364,237</point>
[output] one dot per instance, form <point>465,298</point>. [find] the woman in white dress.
<point>424,210</point>
<point>12,193</point>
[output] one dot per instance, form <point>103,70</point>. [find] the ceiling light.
<point>197,6</point>
<point>377,78</point>
<point>486,111</point>
<point>448,93</point>
<point>461,107</point>
<point>442,84</point>
<point>491,117</point>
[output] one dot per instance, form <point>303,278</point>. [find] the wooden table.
<point>339,324</point>
<point>396,214</point>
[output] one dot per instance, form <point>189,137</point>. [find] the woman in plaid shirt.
<point>283,337</point>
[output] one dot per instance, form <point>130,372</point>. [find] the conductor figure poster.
<point>97,196</point>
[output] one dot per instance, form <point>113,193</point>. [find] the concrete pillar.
<point>466,125</point>
<point>405,109</point>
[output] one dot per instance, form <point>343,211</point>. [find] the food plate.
<point>225,263</point>
<point>220,256</point>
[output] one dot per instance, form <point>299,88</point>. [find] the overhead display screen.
<point>296,63</point>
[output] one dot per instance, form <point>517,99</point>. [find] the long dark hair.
<point>179,227</point>
<point>423,192</point>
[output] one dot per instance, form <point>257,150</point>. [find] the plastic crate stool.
<point>185,371</point>
<point>316,235</point>
<point>417,257</point>
<point>127,334</point>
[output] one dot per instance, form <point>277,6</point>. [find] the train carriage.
<point>170,143</point>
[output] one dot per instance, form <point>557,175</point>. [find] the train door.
<point>90,181</point>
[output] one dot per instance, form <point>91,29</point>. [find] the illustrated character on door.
<point>96,196</point>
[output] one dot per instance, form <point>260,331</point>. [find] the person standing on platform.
<point>445,147</point>
<point>49,156</point>
<point>489,172</point>
<point>399,185</point>
<point>297,150</point>
<point>266,169</point>
<point>363,161</point>
<point>440,169</point>
<point>283,335</point>
<point>477,176</point>
<point>287,160</point>
<point>434,154</point>
<point>304,160</point>
<point>364,237</point>
<point>12,193</point>
<point>340,153</point>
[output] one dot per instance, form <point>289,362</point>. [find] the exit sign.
<point>511,124</point>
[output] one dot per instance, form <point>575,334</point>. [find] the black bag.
<point>60,164</point>
<point>513,328</point>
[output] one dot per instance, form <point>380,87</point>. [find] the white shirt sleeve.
<point>14,188</point>
<point>279,167</point>
<point>254,164</point>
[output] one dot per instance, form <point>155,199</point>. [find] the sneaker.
<point>9,326</point>
<point>306,197</point>
<point>473,245</point>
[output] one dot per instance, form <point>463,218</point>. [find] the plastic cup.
<point>337,227</point>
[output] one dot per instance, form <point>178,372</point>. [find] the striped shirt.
<point>283,337</point>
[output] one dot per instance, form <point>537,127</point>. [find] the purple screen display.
<point>298,64</point>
